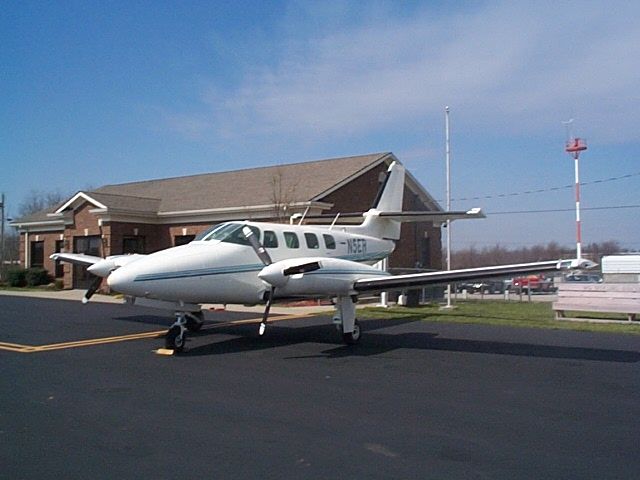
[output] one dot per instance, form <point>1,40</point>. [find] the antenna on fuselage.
<point>334,221</point>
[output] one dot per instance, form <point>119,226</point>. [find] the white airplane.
<point>253,262</point>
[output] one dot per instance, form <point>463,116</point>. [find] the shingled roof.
<point>292,183</point>
<point>298,182</point>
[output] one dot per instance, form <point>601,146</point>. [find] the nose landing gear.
<point>175,338</point>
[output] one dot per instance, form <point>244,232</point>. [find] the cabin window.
<point>329,241</point>
<point>312,240</point>
<point>291,239</point>
<point>270,239</point>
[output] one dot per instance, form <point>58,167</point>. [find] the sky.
<point>94,93</point>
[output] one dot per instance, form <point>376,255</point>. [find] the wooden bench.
<point>598,298</point>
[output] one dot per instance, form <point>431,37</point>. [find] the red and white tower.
<point>573,148</point>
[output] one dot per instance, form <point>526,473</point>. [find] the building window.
<point>87,245</point>
<point>133,245</point>
<point>329,241</point>
<point>37,254</point>
<point>183,239</point>
<point>312,240</point>
<point>291,239</point>
<point>59,266</point>
<point>270,239</point>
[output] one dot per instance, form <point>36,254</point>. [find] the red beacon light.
<point>576,146</point>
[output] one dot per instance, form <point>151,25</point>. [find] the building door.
<point>90,246</point>
<point>59,266</point>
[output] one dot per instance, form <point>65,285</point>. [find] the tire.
<point>173,340</point>
<point>353,337</point>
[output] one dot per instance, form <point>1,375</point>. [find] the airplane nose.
<point>121,280</point>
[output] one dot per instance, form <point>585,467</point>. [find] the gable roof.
<point>298,182</point>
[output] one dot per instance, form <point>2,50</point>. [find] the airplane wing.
<point>76,258</point>
<point>419,280</point>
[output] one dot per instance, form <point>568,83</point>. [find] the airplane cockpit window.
<point>229,233</point>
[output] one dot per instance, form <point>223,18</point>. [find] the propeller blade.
<point>262,254</point>
<point>93,288</point>
<point>304,268</point>
<point>265,315</point>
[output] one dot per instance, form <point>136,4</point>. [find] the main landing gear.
<point>345,319</point>
<point>176,335</point>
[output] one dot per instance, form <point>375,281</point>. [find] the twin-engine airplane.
<point>250,263</point>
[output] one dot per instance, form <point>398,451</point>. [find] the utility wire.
<point>545,190</point>
<point>554,210</point>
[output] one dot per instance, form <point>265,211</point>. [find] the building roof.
<point>297,183</point>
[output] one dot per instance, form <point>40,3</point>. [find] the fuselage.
<point>220,266</point>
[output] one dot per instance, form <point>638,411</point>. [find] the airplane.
<point>247,262</point>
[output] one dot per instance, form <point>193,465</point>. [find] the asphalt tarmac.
<point>83,395</point>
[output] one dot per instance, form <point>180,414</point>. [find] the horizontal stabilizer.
<point>409,216</point>
<point>436,217</point>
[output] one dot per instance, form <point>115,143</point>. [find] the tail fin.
<point>389,200</point>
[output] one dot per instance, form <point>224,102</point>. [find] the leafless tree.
<point>283,195</point>
<point>36,201</point>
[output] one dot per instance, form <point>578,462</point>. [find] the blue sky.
<point>108,92</point>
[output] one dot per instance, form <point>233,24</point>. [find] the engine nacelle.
<point>316,276</point>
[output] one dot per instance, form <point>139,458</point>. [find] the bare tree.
<point>283,195</point>
<point>473,257</point>
<point>36,201</point>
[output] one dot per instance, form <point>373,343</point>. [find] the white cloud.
<point>513,67</point>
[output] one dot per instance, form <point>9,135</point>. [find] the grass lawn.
<point>496,312</point>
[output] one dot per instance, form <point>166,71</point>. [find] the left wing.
<point>76,258</point>
<point>419,280</point>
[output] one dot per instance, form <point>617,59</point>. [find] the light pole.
<point>448,169</point>
<point>2,237</point>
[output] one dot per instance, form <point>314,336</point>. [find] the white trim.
<point>76,197</point>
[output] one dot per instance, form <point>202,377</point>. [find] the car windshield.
<point>227,232</point>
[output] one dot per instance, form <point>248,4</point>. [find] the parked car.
<point>583,277</point>
<point>533,284</point>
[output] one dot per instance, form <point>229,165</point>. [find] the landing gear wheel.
<point>353,337</point>
<point>175,339</point>
<point>194,321</point>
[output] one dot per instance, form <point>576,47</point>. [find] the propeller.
<point>96,281</point>
<point>274,276</point>
<point>93,288</point>
<point>264,257</point>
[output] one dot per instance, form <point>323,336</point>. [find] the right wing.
<point>419,280</point>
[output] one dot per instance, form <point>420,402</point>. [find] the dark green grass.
<point>493,312</point>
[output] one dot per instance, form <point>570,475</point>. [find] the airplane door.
<point>90,246</point>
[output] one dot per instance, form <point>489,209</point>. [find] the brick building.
<point>143,217</point>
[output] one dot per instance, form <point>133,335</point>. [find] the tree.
<point>36,201</point>
<point>283,195</point>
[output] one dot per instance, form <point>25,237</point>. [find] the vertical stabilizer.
<point>388,200</point>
